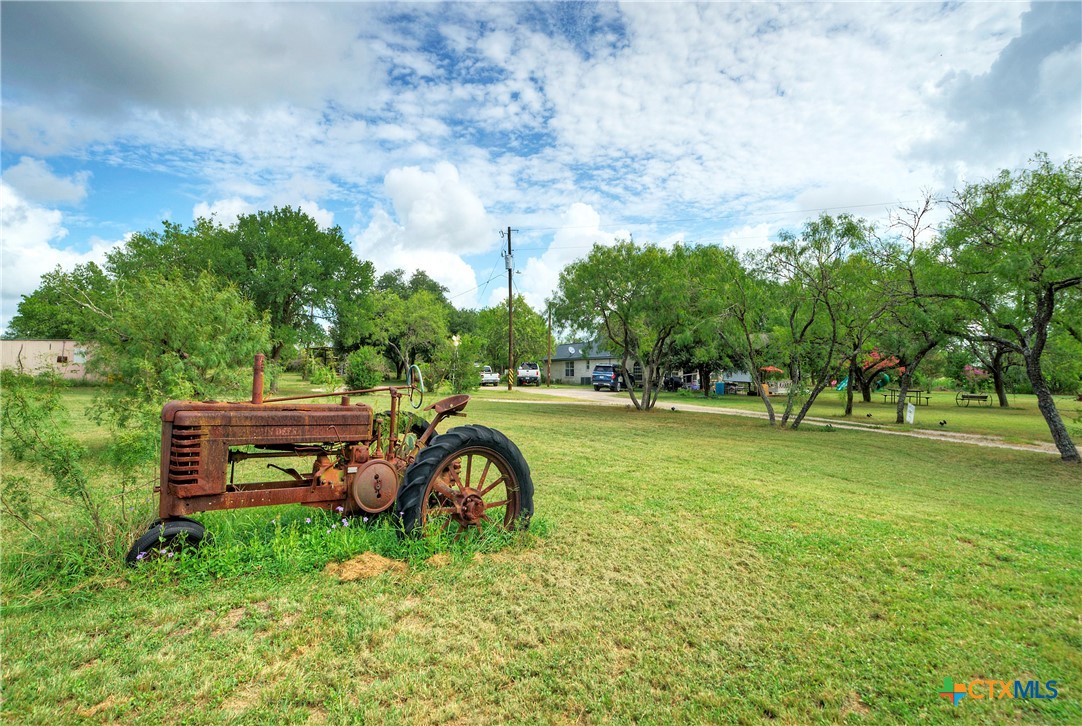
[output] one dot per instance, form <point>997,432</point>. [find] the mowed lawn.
<point>687,568</point>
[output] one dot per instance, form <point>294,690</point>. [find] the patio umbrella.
<point>771,369</point>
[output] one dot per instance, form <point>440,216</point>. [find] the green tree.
<point>456,364</point>
<point>745,306</point>
<point>813,288</point>
<point>531,334</point>
<point>365,368</point>
<point>409,329</point>
<point>919,321</point>
<point>701,345</point>
<point>635,298</point>
<point>58,308</point>
<point>1013,251</point>
<point>295,272</point>
<point>174,337</point>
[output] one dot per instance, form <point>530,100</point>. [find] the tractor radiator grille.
<point>184,455</point>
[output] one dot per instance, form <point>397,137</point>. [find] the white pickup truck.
<point>529,374</point>
<point>489,377</point>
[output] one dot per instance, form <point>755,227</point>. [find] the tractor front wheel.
<point>469,475</point>
<point>166,539</point>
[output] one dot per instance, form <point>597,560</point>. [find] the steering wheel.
<point>419,388</point>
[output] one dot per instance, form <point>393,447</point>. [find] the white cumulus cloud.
<point>437,219</point>
<point>37,183</point>
<point>32,237</point>
<point>580,229</point>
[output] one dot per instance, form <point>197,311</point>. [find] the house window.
<point>569,369</point>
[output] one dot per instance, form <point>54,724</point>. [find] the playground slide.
<point>878,384</point>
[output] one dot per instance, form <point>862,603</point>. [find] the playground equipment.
<point>883,380</point>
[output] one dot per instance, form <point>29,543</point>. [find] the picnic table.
<point>919,396</point>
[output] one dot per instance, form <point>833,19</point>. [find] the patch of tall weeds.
<point>78,509</point>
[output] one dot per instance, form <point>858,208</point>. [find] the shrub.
<point>365,368</point>
<point>105,491</point>
<point>456,365</point>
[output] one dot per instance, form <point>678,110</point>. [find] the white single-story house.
<point>574,363</point>
<point>65,357</point>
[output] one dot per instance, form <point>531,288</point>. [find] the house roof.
<point>579,351</point>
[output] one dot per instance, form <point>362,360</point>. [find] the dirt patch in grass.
<point>440,559</point>
<point>853,704</point>
<point>230,620</point>
<point>363,566</point>
<point>95,710</point>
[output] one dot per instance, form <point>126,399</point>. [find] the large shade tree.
<point>531,334</point>
<point>409,329</point>
<point>816,301</point>
<point>59,307</point>
<point>297,273</point>
<point>635,298</point>
<point>1013,249</point>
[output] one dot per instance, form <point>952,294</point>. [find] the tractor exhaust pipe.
<point>257,379</point>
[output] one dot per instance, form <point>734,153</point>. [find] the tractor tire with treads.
<point>465,444</point>
<point>167,538</point>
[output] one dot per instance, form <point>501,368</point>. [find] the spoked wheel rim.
<point>470,488</point>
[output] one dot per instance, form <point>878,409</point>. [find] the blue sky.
<point>422,130</point>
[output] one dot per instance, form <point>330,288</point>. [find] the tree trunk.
<point>903,388</point>
<point>704,380</point>
<point>755,381</point>
<point>1067,450</point>
<point>795,375</point>
<point>808,404</point>
<point>865,385</point>
<point>849,387</point>
<point>998,378</point>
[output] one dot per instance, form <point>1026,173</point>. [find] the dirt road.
<point>586,396</point>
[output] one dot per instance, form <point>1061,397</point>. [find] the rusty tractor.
<point>355,461</point>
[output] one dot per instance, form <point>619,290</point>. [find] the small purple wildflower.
<point>307,520</point>
<point>345,522</point>
<point>334,526</point>
<point>169,554</point>
<point>339,509</point>
<point>141,555</point>
<point>365,519</point>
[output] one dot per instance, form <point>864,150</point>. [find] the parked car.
<point>489,377</point>
<point>529,374</point>
<point>611,377</point>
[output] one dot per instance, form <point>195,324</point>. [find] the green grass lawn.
<point>684,568</point>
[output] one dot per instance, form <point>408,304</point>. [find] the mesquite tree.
<point>814,287</point>
<point>636,298</point>
<point>1013,248</point>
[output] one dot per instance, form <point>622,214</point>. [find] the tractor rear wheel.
<point>166,539</point>
<point>469,475</point>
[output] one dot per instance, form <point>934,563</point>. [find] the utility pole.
<point>509,262</point>
<point>548,366</point>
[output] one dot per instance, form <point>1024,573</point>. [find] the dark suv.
<point>610,377</point>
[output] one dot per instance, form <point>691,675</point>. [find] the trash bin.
<point>719,388</point>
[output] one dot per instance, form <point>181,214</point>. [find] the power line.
<point>490,279</point>
<point>464,292</point>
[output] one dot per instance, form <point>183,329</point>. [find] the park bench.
<point>964,399</point>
